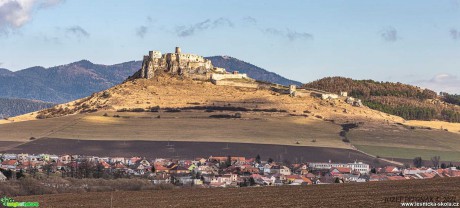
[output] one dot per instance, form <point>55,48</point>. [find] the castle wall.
<point>235,84</point>
<point>229,76</point>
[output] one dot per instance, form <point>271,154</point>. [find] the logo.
<point>9,202</point>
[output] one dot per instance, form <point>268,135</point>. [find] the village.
<point>225,171</point>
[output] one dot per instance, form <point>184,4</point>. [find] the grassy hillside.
<point>409,102</point>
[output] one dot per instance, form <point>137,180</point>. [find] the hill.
<point>76,80</point>
<point>233,64</point>
<point>174,106</point>
<point>409,102</point>
<point>63,83</point>
<point>13,107</point>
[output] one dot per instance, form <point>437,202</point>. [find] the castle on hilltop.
<point>177,63</point>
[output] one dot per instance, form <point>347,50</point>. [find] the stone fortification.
<point>176,63</point>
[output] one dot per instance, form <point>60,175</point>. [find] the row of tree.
<point>367,88</point>
<point>450,98</point>
<point>409,102</point>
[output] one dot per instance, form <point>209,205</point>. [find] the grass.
<point>401,137</point>
<point>253,127</point>
<point>409,153</point>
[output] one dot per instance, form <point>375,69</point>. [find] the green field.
<point>393,141</point>
<point>408,153</point>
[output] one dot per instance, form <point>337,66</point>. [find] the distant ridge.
<point>12,107</point>
<point>233,64</point>
<point>63,83</point>
<point>79,79</point>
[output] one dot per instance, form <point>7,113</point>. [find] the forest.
<point>409,102</point>
<point>13,107</point>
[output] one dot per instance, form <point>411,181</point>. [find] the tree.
<point>373,170</point>
<point>153,169</point>
<point>443,165</point>
<point>48,168</point>
<point>337,180</point>
<point>252,182</point>
<point>258,159</point>
<point>228,163</point>
<point>435,160</point>
<point>418,162</point>
<point>270,160</point>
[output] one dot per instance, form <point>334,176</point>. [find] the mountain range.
<point>72,81</point>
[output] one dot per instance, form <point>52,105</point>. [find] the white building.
<point>360,167</point>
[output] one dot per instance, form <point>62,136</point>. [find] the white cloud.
<point>16,13</point>
<point>442,83</point>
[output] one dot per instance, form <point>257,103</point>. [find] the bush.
<point>41,116</point>
<point>106,94</point>
<point>105,114</point>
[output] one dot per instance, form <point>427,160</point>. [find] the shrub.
<point>106,94</point>
<point>41,116</point>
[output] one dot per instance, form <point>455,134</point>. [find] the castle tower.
<point>178,50</point>
<point>292,89</point>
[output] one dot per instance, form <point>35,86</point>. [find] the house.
<point>33,158</point>
<point>376,177</point>
<point>178,170</point>
<point>285,170</point>
<point>2,177</point>
<point>390,169</point>
<point>65,159</point>
<point>162,179</point>
<point>117,160</point>
<point>119,166</point>
<point>350,177</point>
<point>23,157</point>
<point>414,171</point>
<point>363,178</point>
<point>161,169</point>
<point>360,167</point>
<point>325,166</point>
<point>10,156</point>
<point>53,158</point>
<point>104,164</point>
<point>191,167</point>
<point>9,164</point>
<point>182,180</point>
<point>134,160</point>
<point>339,171</point>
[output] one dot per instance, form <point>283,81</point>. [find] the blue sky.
<point>416,42</point>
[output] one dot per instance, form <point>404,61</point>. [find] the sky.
<point>411,41</point>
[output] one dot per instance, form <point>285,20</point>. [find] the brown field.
<point>372,194</point>
<point>253,127</point>
<point>190,150</point>
<point>5,145</point>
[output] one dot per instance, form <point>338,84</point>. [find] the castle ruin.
<point>176,63</point>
